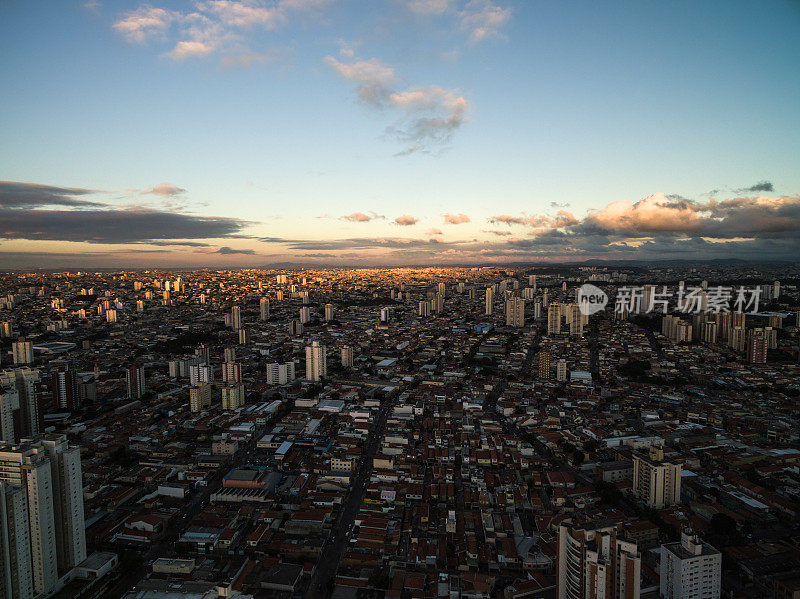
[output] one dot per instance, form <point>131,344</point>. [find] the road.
<point>333,549</point>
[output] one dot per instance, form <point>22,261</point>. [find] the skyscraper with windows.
<point>316,361</point>
<point>515,312</point>
<point>594,560</point>
<point>134,381</point>
<point>48,471</point>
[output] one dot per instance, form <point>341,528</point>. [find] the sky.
<point>397,132</point>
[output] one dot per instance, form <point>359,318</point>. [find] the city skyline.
<point>319,132</point>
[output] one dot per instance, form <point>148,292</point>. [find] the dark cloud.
<point>229,251</point>
<point>761,186</point>
<point>113,226</point>
<point>32,195</point>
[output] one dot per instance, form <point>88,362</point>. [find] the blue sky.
<point>252,130</point>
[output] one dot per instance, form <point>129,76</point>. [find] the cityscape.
<point>411,432</point>
<point>399,299</point>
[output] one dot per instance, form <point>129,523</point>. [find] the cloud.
<point>433,231</point>
<point>482,19</point>
<point>373,77</point>
<point>406,221</point>
<point>760,187</point>
<point>190,49</point>
<point>498,233</point>
<point>224,27</point>
<point>112,226</point>
<point>456,219</point>
<point>32,195</point>
<point>165,189</point>
<point>428,115</point>
<point>507,220</point>
<point>429,7</point>
<point>45,212</point>
<point>229,251</point>
<point>360,217</point>
<point>145,22</point>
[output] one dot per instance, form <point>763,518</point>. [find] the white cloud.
<point>482,19</point>
<point>183,50</point>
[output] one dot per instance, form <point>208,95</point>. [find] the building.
<point>757,345</point>
<point>690,569</point>
<point>200,373</point>
<point>305,315</point>
<point>656,481</point>
<point>424,308</point>
<point>200,397</point>
<point>576,320</point>
<point>16,576</point>
<point>231,372</point>
<point>280,374</point>
<point>594,562</point>
<point>64,387</point>
<point>20,404</point>
<point>515,312</point>
<point>329,312</point>
<point>263,307</point>
<point>49,474</point>
<point>347,356</point>
<point>316,362</point>
<point>134,381</point>
<point>236,318</point>
<point>561,370</point>
<point>22,352</point>
<point>554,319</point>
<point>489,301</point>
<point>233,397</point>
<point>543,363</point>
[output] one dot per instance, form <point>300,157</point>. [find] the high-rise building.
<point>263,307</point>
<point>200,373</point>
<point>347,356</point>
<point>561,370</point>
<point>424,308</point>
<point>200,397</point>
<point>244,336</point>
<point>690,569</point>
<point>134,381</point>
<point>532,281</point>
<point>233,396</point>
<point>65,467</point>
<point>280,374</point>
<point>229,354</point>
<point>231,372</point>
<point>757,345</point>
<point>236,318</point>
<point>22,352</point>
<point>543,363</point>
<point>595,561</point>
<point>49,472</point>
<point>736,338</point>
<point>709,332</point>
<point>64,386</point>
<point>576,320</point>
<point>296,328</point>
<point>776,290</point>
<point>489,301</point>
<point>305,314</point>
<point>386,315</point>
<point>515,312</point>
<point>16,573</point>
<point>20,404</point>
<point>554,319</point>
<point>316,361</point>
<point>329,312</point>
<point>656,481</point>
